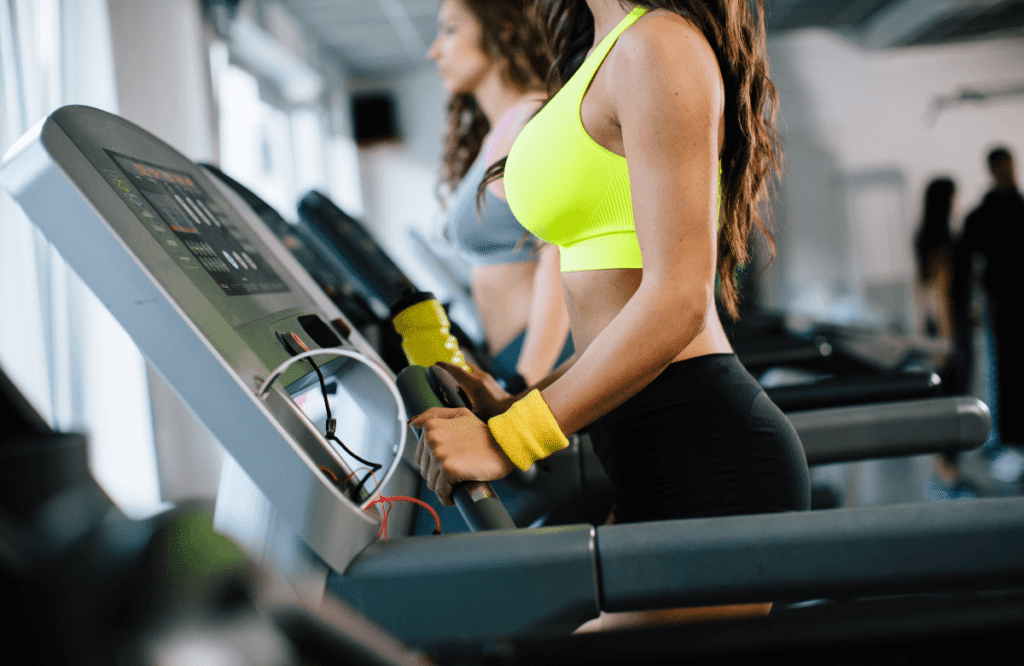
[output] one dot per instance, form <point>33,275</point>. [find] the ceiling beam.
<point>410,39</point>
<point>900,22</point>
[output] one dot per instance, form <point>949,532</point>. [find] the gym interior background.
<point>877,98</point>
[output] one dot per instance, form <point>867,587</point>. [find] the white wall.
<point>343,170</point>
<point>400,178</point>
<point>861,146</point>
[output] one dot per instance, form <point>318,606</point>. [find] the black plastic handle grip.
<point>423,388</point>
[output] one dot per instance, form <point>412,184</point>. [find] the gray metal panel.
<point>178,325</point>
<point>464,587</point>
<point>825,554</point>
<point>891,429</point>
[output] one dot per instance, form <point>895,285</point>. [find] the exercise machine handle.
<point>423,388</point>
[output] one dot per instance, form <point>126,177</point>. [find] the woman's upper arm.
<point>669,100</point>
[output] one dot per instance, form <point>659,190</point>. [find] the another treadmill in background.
<point>350,249</point>
<point>828,365</point>
<point>346,245</point>
<point>344,260</point>
<point>352,269</point>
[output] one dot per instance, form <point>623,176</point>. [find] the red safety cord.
<point>402,498</point>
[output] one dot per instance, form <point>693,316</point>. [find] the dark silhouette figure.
<point>994,232</point>
<point>933,246</point>
<point>934,249</point>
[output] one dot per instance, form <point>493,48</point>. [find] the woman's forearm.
<point>635,347</point>
<point>503,404</point>
<point>553,376</point>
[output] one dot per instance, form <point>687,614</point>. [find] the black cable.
<point>334,438</point>
<point>354,495</point>
<point>323,387</point>
<point>332,424</point>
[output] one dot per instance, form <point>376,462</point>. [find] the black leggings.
<point>703,439</point>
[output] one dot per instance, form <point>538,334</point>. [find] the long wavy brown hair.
<point>512,36</point>
<point>751,157</point>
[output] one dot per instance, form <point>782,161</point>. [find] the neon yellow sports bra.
<point>566,188</point>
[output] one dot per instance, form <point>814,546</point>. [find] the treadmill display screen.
<point>201,235</point>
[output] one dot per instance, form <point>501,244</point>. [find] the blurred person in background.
<point>994,232</point>
<point>491,56</point>
<point>934,248</point>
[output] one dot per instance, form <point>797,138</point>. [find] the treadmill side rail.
<point>842,553</point>
<point>463,587</point>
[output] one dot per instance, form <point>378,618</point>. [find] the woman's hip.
<point>703,439</point>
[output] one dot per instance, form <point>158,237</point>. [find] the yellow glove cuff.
<point>528,431</point>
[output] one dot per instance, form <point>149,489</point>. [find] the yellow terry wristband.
<point>528,431</point>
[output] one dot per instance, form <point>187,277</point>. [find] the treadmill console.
<point>191,226</point>
<point>217,305</point>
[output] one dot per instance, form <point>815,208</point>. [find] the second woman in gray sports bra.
<point>492,60</point>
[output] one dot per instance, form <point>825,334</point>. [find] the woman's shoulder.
<point>666,51</point>
<point>661,38</point>
<point>664,17</point>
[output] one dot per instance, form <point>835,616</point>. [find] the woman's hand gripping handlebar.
<point>486,396</point>
<point>445,460</point>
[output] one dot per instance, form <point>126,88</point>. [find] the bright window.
<point>256,142</point>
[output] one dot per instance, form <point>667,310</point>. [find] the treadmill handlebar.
<point>857,390</point>
<point>904,428</point>
<point>479,505</point>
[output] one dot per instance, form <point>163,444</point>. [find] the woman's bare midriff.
<point>594,298</point>
<point>503,293</point>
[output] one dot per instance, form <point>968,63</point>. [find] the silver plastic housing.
<point>213,348</point>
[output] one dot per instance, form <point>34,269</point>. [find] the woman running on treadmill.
<point>646,168</point>
<point>492,59</point>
